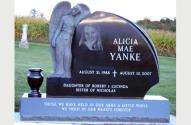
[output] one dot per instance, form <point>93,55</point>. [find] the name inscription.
<point>125,50</point>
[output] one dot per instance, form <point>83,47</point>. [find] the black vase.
<point>35,79</point>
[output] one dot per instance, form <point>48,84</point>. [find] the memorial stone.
<point>111,57</point>
<point>24,41</point>
<point>103,65</point>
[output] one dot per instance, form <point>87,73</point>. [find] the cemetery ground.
<point>39,55</point>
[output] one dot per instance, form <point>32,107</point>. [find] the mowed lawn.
<point>38,55</point>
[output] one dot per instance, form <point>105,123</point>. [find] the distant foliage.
<point>37,28</point>
<point>164,24</point>
<point>35,13</point>
<point>165,41</point>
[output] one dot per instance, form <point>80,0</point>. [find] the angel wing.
<point>59,10</point>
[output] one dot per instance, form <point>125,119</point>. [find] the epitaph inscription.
<point>89,109</point>
<point>96,107</point>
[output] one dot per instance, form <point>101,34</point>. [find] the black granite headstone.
<point>111,57</point>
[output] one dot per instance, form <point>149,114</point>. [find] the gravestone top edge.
<point>146,97</point>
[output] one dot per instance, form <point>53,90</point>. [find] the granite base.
<point>150,109</point>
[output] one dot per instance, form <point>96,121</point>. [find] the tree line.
<point>164,24</point>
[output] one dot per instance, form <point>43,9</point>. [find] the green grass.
<point>167,85</point>
<point>39,55</point>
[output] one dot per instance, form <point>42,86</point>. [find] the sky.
<point>131,9</point>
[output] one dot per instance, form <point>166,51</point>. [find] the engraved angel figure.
<point>63,21</point>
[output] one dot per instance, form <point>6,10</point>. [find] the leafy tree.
<point>33,12</point>
<point>164,24</point>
